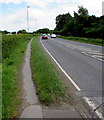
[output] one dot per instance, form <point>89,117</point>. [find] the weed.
<point>49,86</point>
<point>13,52</point>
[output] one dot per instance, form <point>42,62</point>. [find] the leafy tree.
<point>13,32</point>
<point>81,25</point>
<point>22,32</point>
<point>80,21</point>
<point>61,20</point>
<point>96,28</point>
<point>5,32</point>
<point>82,11</point>
<point>44,30</point>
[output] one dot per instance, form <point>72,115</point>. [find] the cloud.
<point>38,18</point>
<point>14,21</point>
<point>12,1</point>
<point>41,15</point>
<point>94,6</point>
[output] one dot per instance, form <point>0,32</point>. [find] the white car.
<point>48,34</point>
<point>53,36</point>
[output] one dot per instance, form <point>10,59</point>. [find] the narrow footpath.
<point>31,107</point>
<point>30,100</point>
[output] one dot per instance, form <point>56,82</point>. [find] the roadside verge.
<point>86,99</point>
<point>50,88</point>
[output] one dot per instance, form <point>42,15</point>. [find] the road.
<point>82,62</point>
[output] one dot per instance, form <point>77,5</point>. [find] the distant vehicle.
<point>9,34</point>
<point>48,34</point>
<point>44,36</point>
<point>53,36</point>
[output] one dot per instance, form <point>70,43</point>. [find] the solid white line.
<point>75,85</point>
<point>91,104</point>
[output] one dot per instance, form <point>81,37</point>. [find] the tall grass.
<point>0,75</point>
<point>49,86</point>
<point>0,90</point>
<point>85,40</point>
<point>13,51</point>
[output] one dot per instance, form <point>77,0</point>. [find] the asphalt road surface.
<point>82,62</point>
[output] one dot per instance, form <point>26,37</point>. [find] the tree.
<point>22,32</point>
<point>96,28</point>
<point>68,28</point>
<point>82,11</point>
<point>13,32</point>
<point>80,21</point>
<point>44,30</point>
<point>61,20</point>
<point>81,25</point>
<point>5,32</point>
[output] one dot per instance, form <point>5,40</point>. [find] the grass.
<point>85,40</point>
<point>10,82</point>
<point>49,86</point>
<point>0,75</point>
<point>0,90</point>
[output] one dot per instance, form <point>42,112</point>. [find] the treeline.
<point>44,30</point>
<point>81,25</point>
<point>23,31</point>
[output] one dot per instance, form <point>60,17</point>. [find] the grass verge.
<point>0,90</point>
<point>49,86</point>
<point>10,83</point>
<point>85,40</point>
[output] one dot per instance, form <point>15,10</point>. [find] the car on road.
<point>48,34</point>
<point>44,36</point>
<point>53,35</point>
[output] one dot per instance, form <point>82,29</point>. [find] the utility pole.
<point>35,23</point>
<point>103,8</point>
<point>27,20</point>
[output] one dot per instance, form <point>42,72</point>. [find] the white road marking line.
<point>75,85</point>
<point>87,51</point>
<point>91,104</point>
<point>93,56</point>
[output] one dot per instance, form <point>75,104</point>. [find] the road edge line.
<point>91,104</point>
<point>75,85</point>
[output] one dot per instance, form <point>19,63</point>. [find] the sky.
<point>41,13</point>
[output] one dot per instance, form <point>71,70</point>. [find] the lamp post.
<point>27,20</point>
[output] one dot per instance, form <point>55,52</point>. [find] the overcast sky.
<point>42,13</point>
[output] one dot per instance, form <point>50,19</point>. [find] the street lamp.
<point>27,20</point>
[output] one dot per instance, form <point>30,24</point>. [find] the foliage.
<point>0,91</point>
<point>10,42</point>
<point>13,51</point>
<point>22,32</point>
<point>13,32</point>
<point>81,25</point>
<point>61,20</point>
<point>44,30</point>
<point>4,32</point>
<point>49,87</point>
<point>85,40</point>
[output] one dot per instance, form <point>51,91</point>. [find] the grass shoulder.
<point>94,41</point>
<point>50,88</point>
<point>0,90</point>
